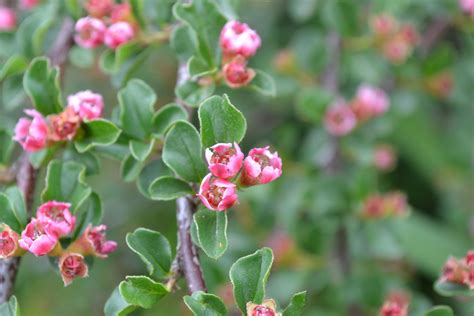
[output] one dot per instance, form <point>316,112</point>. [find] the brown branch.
<point>433,34</point>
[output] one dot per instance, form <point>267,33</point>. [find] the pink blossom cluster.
<point>395,40</point>
<point>467,6</point>
<point>41,235</point>
<point>238,43</point>
<point>107,23</point>
<point>227,167</point>
<point>342,117</point>
<point>7,19</point>
<point>377,206</point>
<point>460,271</point>
<point>396,304</point>
<point>39,132</point>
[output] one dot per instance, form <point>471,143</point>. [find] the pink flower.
<point>64,125</point>
<point>239,39</point>
<point>384,157</point>
<point>369,102</point>
<point>267,308</point>
<point>467,6</point>
<point>260,167</point>
<point>118,34</point>
<point>99,8</point>
<point>217,194</point>
<point>122,12</point>
<point>7,19</point>
<point>32,134</point>
<point>469,259</point>
<point>93,242</point>
<point>236,74</point>
<point>384,25</point>
<point>339,119</point>
<point>454,271</point>
<point>396,304</point>
<point>57,217</point>
<point>37,238</point>
<point>89,32</point>
<point>224,159</point>
<point>397,50</point>
<point>71,266</point>
<point>87,104</point>
<point>9,243</point>
<point>28,4</point>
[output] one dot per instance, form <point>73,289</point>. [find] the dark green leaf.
<point>263,83</point>
<point>6,146</point>
<point>117,306</point>
<point>166,116</point>
<point>16,64</point>
<point>10,308</point>
<point>440,311</point>
<point>150,172</point>
<point>141,291</point>
<point>295,308</point>
<point>99,132</point>
<point>7,214</point>
<point>88,159</point>
<point>169,188</point>
<point>17,201</point>
<point>205,304</point>
<point>184,42</point>
<point>130,168</point>
<point>192,93</point>
<point>212,232</point>
<point>140,150</point>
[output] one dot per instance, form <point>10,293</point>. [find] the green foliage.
<point>168,188</point>
<point>205,304</point>
<point>141,291</point>
<point>98,132</point>
<point>295,308</point>
<point>211,229</point>
<point>10,308</point>
<point>453,289</point>
<point>166,116</point>
<point>440,311</point>
<point>6,146</point>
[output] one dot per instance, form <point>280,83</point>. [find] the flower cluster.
<point>108,23</point>
<point>238,42</point>
<point>378,206</point>
<point>396,304</point>
<point>267,308</point>
<point>227,167</point>
<point>396,41</point>
<point>7,19</point>
<point>384,157</point>
<point>342,117</point>
<point>42,235</point>
<point>460,271</point>
<point>467,6</point>
<point>40,132</point>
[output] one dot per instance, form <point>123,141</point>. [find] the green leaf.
<point>198,68</point>
<point>117,306</point>
<point>154,250</point>
<point>14,65</point>
<point>10,308</point>
<point>141,291</point>
<point>88,159</point>
<point>150,172</point>
<point>140,150</point>
<point>182,152</point>
<point>263,83</point>
<point>212,232</point>
<point>91,212</point>
<point>136,108</point>
<point>169,188</point>
<point>98,132</point>
<point>74,8</point>
<point>453,289</point>
<point>6,146</point>
<point>124,52</point>
<point>151,12</point>
<point>440,310</point>
<point>249,276</point>
<point>65,183</point>
<point>166,116</point>
<point>17,201</point>
<point>184,42</point>
<point>295,308</point>
<point>13,94</point>
<point>38,158</point>
<point>192,93</point>
<point>341,16</point>
<point>220,121</point>
<point>7,214</point>
<point>81,57</point>
<point>130,168</point>
<point>107,61</point>
<point>126,71</point>
<point>205,304</point>
<point>311,104</point>
<point>41,83</point>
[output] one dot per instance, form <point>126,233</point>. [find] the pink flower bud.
<point>260,167</point>
<point>99,8</point>
<point>28,4</point>
<point>93,242</point>
<point>409,34</point>
<point>57,217</point>
<point>64,125</point>
<point>373,207</point>
<point>87,104</point>
<point>369,102</point>
<point>37,238</point>
<point>467,6</point>
<point>396,304</point>
<point>118,33</point>
<point>239,39</point>
<point>71,266</point>
<point>89,32</point>
<point>469,259</point>
<point>9,243</point>
<point>397,50</point>
<point>339,119</point>
<point>217,194</point>
<point>385,157</point>
<point>236,74</point>
<point>123,13</point>
<point>267,308</point>
<point>454,271</point>
<point>32,134</point>
<point>383,25</point>
<point>7,19</point>
<point>224,159</point>
<point>261,310</point>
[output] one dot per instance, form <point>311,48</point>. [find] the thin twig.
<point>433,34</point>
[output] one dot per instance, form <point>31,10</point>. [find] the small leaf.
<point>10,308</point>
<point>6,146</point>
<point>140,150</point>
<point>295,308</point>
<point>184,42</point>
<point>41,83</point>
<point>198,68</point>
<point>182,152</point>
<point>150,172</point>
<point>107,61</point>
<point>169,188</point>
<point>14,65</point>
<point>136,108</point>
<point>220,121</point>
<point>154,250</point>
<point>99,132</point>
<point>130,168</point>
<point>205,304</point>
<point>166,116</point>
<point>141,291</point>
<point>440,310</point>
<point>88,159</point>
<point>7,214</point>
<point>17,201</point>
<point>249,276</point>
<point>81,57</point>
<point>263,83</point>
<point>65,183</point>
<point>117,306</point>
<point>212,232</point>
<point>13,94</point>
<point>192,93</point>
<point>453,289</point>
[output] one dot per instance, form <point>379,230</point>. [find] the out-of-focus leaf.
<point>7,214</point>
<point>263,83</point>
<point>141,150</point>
<point>16,64</point>
<point>6,146</point>
<point>150,173</point>
<point>205,304</point>
<point>453,289</point>
<point>130,168</point>
<point>116,305</point>
<point>81,57</point>
<point>10,308</point>
<point>440,311</point>
<point>192,93</point>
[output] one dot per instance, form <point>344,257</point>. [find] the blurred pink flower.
<point>89,32</point>
<point>31,134</point>
<point>37,238</point>
<point>261,166</point>
<point>385,157</point>
<point>239,39</point>
<point>64,125</point>
<point>71,266</point>
<point>28,4</point>
<point>118,34</point>
<point>8,242</point>
<point>87,104</point>
<point>217,194</point>
<point>467,6</point>
<point>369,102</point>
<point>236,74</point>
<point>224,159</point>
<point>57,217</point>
<point>98,8</point>
<point>339,119</point>
<point>7,19</point>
